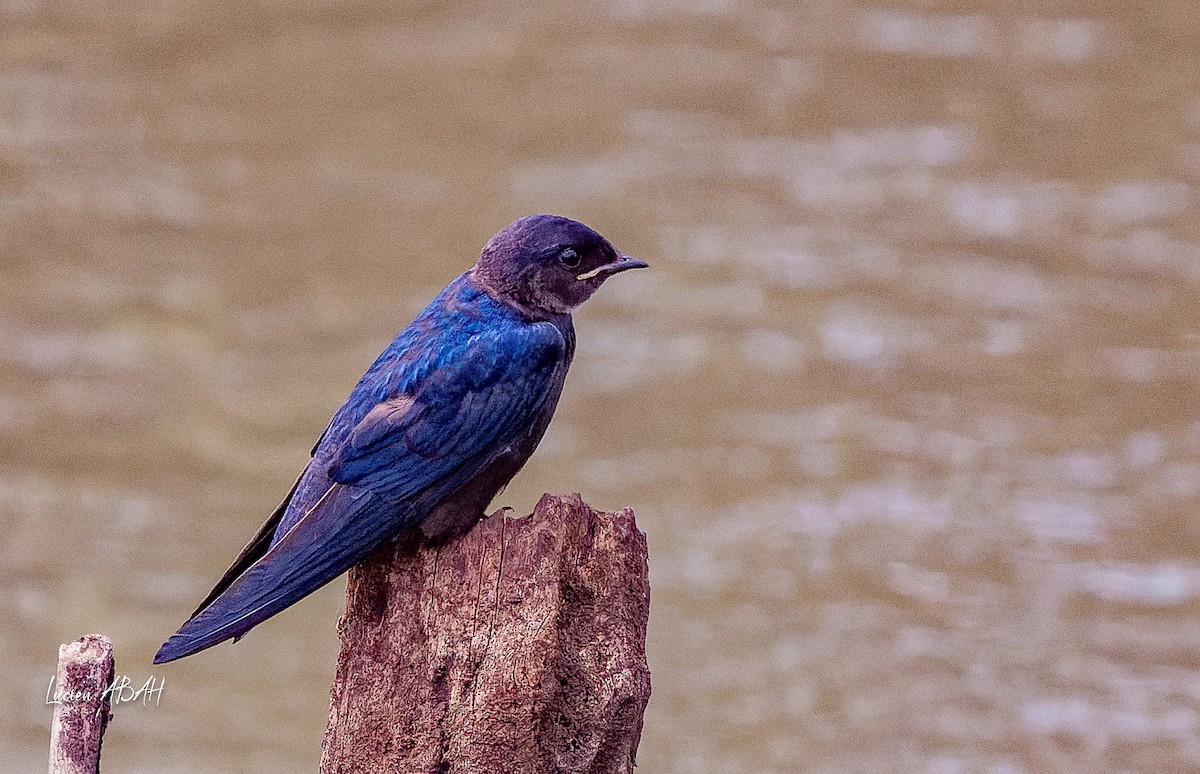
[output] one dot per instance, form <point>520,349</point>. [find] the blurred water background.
<point>907,405</point>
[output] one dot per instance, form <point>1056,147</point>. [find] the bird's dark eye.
<point>569,258</point>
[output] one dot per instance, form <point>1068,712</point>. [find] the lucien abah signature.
<point>121,691</point>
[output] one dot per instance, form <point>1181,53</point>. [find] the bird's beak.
<point>622,263</point>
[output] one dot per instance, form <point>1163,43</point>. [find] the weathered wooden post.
<point>518,647</point>
<point>81,709</point>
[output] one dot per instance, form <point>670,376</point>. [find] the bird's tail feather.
<point>301,562</point>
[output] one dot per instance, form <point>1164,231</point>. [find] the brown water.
<point>907,405</point>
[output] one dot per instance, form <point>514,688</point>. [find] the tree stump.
<point>517,647</point>
<point>81,704</point>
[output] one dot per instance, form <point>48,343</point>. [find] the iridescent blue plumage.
<point>438,424</point>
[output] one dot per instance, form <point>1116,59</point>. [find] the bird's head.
<point>548,264</point>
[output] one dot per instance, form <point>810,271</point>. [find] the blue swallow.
<point>437,426</point>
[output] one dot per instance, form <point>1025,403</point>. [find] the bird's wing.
<point>462,414</point>
<point>403,457</point>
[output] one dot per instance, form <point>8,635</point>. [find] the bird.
<point>433,431</point>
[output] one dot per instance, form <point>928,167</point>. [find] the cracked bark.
<point>517,647</point>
